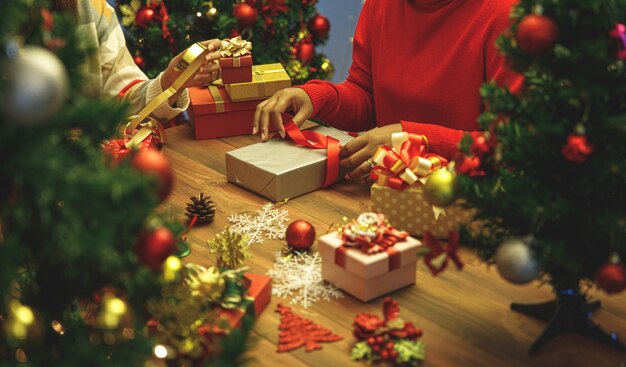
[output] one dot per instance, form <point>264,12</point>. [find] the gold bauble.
<point>113,312</point>
<point>20,321</point>
<point>211,14</point>
<point>441,188</point>
<point>171,269</point>
<point>327,68</point>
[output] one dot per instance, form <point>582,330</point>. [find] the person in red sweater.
<point>417,66</point>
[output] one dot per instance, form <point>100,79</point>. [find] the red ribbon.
<point>165,17</point>
<point>437,250</point>
<point>395,257</point>
<point>315,140</point>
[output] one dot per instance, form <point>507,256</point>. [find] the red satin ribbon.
<point>314,140</point>
<point>394,256</point>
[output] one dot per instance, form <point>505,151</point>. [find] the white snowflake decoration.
<point>268,221</point>
<point>301,274</point>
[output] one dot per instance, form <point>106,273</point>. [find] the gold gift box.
<point>267,79</point>
<point>409,211</point>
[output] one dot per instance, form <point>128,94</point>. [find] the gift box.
<point>400,173</point>
<point>279,168</point>
<point>367,276</point>
<point>214,115</point>
<point>267,79</point>
<point>408,210</point>
<point>236,69</point>
<point>258,297</point>
<point>236,61</point>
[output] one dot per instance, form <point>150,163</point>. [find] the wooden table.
<point>464,314</point>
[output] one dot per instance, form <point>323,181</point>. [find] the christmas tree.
<point>547,177</point>
<point>284,31</point>
<point>82,248</point>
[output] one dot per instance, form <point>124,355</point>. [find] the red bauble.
<point>155,163</point>
<point>306,52</point>
<point>470,166</point>
<point>577,148</point>
<point>154,247</point>
<point>300,235</point>
<point>246,15</point>
<point>612,277</point>
<point>319,26</point>
<point>480,146</point>
<point>144,16</point>
<point>536,34</point>
<point>140,61</point>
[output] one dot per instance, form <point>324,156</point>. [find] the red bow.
<point>165,18</point>
<point>437,258</point>
<point>367,325</point>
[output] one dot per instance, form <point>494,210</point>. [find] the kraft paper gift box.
<point>409,211</point>
<point>267,79</point>
<point>214,115</point>
<point>368,276</point>
<point>236,69</point>
<point>279,168</point>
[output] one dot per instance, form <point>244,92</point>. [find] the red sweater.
<point>422,61</point>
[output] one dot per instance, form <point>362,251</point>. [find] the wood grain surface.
<point>465,314</point>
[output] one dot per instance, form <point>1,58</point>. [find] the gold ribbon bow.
<point>235,47</point>
<point>190,63</point>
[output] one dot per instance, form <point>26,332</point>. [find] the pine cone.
<point>201,207</point>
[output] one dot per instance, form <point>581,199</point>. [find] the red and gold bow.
<point>407,163</point>
<point>371,234</point>
<point>439,255</point>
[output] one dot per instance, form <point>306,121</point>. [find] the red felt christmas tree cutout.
<point>297,331</point>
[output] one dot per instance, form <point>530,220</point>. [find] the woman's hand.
<point>292,100</point>
<point>206,74</point>
<point>356,154</point>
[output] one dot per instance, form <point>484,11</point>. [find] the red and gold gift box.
<point>398,192</point>
<point>236,69</point>
<point>267,79</point>
<point>214,115</point>
<point>368,275</point>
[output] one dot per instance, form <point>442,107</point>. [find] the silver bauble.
<point>38,86</point>
<point>516,262</point>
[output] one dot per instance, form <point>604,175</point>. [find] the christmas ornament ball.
<point>154,247</point>
<point>140,61</point>
<point>152,162</point>
<point>441,188</point>
<point>319,26</point>
<point>300,235</point>
<point>306,52</point>
<point>37,86</point>
<point>515,261</point>
<point>536,34</point>
<point>144,16</point>
<point>245,14</point>
<point>612,277</point>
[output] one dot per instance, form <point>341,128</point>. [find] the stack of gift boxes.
<point>226,107</point>
<point>277,169</point>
